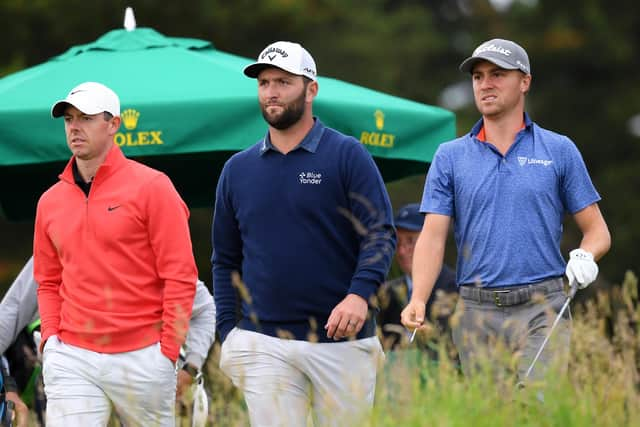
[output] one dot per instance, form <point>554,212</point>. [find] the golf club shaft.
<point>572,292</point>
<point>413,335</point>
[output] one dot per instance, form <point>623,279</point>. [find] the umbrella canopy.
<point>186,107</point>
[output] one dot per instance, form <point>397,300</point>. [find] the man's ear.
<point>115,125</point>
<point>525,84</point>
<point>312,91</point>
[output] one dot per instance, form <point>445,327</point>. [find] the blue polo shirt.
<point>301,230</point>
<point>508,210</point>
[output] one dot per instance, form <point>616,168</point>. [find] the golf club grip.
<point>573,288</point>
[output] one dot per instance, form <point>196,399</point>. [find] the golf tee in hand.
<point>412,317</point>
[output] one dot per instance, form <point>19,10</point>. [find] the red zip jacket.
<point>115,269</point>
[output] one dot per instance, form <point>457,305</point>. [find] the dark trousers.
<point>490,328</point>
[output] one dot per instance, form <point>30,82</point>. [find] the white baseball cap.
<point>287,56</point>
<point>90,98</point>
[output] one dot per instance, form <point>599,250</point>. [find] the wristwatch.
<point>191,370</point>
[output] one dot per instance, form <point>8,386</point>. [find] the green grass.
<point>444,398</point>
<point>601,387</point>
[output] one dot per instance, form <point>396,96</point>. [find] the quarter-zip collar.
<point>114,160</point>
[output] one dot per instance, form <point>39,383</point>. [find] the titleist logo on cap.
<point>492,48</point>
<point>503,53</point>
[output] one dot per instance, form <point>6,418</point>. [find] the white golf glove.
<point>581,268</point>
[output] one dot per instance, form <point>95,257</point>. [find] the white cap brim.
<point>59,107</point>
<point>90,98</point>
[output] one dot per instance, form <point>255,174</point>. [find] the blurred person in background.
<point>394,294</point>
<point>13,412</point>
<point>19,340</point>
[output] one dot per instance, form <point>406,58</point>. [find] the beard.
<point>291,114</point>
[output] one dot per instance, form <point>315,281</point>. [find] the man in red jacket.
<point>116,274</point>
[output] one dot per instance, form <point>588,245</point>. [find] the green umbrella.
<point>186,108</point>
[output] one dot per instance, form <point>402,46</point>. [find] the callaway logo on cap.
<point>504,53</point>
<point>287,56</point>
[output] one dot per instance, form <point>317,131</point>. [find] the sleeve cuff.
<point>171,353</point>
<point>44,338</point>
<point>223,330</point>
<point>194,359</point>
<point>364,288</point>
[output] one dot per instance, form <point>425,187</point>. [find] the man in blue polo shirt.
<point>507,186</point>
<point>303,235</point>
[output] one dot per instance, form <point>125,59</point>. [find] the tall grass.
<point>601,387</point>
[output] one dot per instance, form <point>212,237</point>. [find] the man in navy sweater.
<point>302,238</point>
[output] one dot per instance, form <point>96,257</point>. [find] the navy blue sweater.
<point>302,231</point>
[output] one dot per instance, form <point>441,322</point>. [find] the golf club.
<point>413,335</point>
<point>572,292</point>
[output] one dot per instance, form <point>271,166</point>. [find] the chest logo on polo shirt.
<point>313,178</point>
<point>527,161</point>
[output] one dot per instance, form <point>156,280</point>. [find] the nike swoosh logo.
<point>111,208</point>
